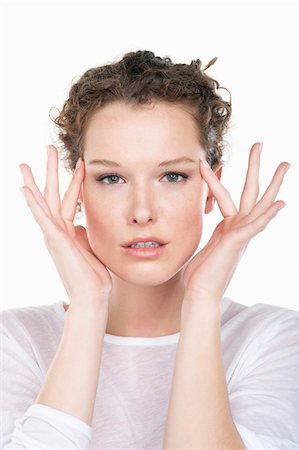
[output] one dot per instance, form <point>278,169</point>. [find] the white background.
<point>47,45</point>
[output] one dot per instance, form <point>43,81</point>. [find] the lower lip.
<point>145,252</point>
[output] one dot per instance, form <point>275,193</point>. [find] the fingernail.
<point>287,168</point>
<point>22,190</point>
<point>205,163</point>
<point>281,206</point>
<point>261,147</point>
<point>48,149</point>
<point>78,163</point>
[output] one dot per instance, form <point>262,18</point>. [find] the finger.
<point>30,183</point>
<point>51,190</point>
<point>251,188</point>
<point>70,199</point>
<point>245,232</point>
<point>41,217</point>
<point>87,252</point>
<point>81,237</point>
<point>200,257</point>
<point>224,200</point>
<point>271,192</point>
<point>52,234</point>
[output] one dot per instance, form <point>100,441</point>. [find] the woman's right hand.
<point>85,278</point>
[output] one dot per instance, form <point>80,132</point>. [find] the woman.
<point>149,353</point>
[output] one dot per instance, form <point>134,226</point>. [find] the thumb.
<point>81,237</point>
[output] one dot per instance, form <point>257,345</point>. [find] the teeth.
<point>144,244</point>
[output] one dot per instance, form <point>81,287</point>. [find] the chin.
<point>144,276</point>
<point>152,272</point>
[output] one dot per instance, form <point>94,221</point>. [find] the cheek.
<point>183,216</point>
<point>187,210</point>
<point>180,220</point>
<point>102,219</point>
<point>192,225</point>
<point>185,219</point>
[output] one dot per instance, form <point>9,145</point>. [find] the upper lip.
<point>144,239</point>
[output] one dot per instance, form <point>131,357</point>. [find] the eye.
<point>112,176</point>
<point>176,174</point>
<point>173,178</point>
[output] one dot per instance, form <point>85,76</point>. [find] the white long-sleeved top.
<point>260,348</point>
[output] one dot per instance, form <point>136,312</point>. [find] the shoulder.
<point>259,318</point>
<point>30,324</point>
<point>260,333</point>
<point>30,314</point>
<point>260,346</point>
<point>259,327</point>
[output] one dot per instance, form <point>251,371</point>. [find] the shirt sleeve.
<point>24,423</point>
<point>265,398</point>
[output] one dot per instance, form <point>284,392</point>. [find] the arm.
<point>199,413</point>
<point>72,380</point>
<point>61,418</point>
<point>264,389</point>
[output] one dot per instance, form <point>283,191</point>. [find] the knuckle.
<point>225,190</point>
<point>55,234</point>
<point>233,237</point>
<point>256,191</point>
<point>239,235</point>
<point>262,222</point>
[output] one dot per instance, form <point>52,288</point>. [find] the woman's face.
<point>138,198</point>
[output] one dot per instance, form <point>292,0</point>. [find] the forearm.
<point>199,414</point>
<point>72,379</point>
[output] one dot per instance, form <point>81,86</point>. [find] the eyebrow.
<point>108,163</point>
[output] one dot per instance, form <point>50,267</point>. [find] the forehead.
<point>158,126</point>
<point>118,109</point>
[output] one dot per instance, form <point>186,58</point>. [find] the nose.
<point>142,206</point>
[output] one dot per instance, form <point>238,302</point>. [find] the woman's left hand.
<point>209,272</point>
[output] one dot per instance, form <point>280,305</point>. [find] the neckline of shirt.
<point>140,340</point>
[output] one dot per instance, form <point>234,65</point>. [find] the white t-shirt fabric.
<point>260,349</point>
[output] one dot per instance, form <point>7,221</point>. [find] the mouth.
<point>145,252</point>
<point>144,241</point>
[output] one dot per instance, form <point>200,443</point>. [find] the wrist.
<point>91,308</point>
<point>199,306</point>
<point>204,299</point>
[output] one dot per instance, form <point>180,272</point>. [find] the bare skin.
<point>83,275</point>
<point>144,297</point>
<point>142,200</point>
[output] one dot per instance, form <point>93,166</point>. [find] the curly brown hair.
<point>141,77</point>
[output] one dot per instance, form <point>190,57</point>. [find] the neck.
<point>145,311</point>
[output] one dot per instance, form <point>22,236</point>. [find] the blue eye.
<point>108,176</point>
<point>185,177</point>
<point>176,174</point>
